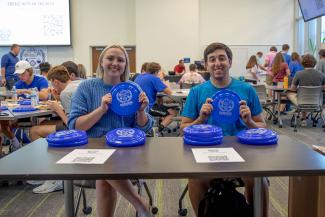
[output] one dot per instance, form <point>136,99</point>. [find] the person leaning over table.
<point>90,111</point>
<point>198,108</point>
<point>28,81</point>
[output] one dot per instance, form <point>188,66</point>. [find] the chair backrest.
<point>187,86</point>
<point>310,95</point>
<point>261,92</point>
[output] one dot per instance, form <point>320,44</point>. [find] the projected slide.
<point>34,22</point>
<point>311,9</point>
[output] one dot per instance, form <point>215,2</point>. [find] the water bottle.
<point>33,97</point>
<point>37,95</point>
<point>285,82</point>
<point>14,94</point>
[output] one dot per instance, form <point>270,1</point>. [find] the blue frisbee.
<point>66,136</point>
<point>125,98</point>
<point>25,102</point>
<point>261,143</point>
<point>24,109</point>
<point>68,144</point>
<point>225,107</point>
<point>202,130</point>
<point>3,108</point>
<point>125,137</point>
<point>257,134</point>
<point>201,143</point>
<point>203,139</point>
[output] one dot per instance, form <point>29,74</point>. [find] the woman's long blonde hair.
<point>126,73</point>
<point>251,62</point>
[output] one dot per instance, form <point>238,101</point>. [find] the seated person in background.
<point>24,88</point>
<point>295,65</point>
<point>90,111</point>
<point>60,80</point>
<point>191,77</point>
<point>72,69</point>
<point>27,81</point>
<point>151,85</point>
<point>307,77</point>
<point>44,68</point>
<point>321,63</point>
<point>198,109</point>
<point>143,70</point>
<point>82,71</point>
<point>180,67</point>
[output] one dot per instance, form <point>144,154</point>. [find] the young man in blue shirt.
<point>198,109</point>
<point>8,62</point>
<point>151,84</point>
<point>27,81</point>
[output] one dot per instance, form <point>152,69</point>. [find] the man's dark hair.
<point>153,68</point>
<point>72,68</point>
<point>217,46</point>
<point>273,48</point>
<point>322,52</point>
<point>14,46</point>
<point>285,47</point>
<point>44,67</point>
<point>308,61</point>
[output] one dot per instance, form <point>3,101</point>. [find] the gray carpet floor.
<point>19,201</point>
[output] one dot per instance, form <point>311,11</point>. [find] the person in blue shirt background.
<point>27,81</point>
<point>295,65</point>
<point>151,84</point>
<point>198,108</point>
<point>90,111</point>
<point>286,56</point>
<point>8,62</point>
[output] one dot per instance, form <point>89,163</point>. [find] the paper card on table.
<point>86,156</point>
<point>215,155</point>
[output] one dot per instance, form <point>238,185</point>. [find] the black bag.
<point>223,200</point>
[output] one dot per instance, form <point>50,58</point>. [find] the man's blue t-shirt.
<point>150,84</point>
<point>8,61</point>
<point>287,58</point>
<point>294,67</point>
<point>38,81</point>
<point>200,93</point>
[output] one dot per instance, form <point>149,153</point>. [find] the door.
<point>96,51</point>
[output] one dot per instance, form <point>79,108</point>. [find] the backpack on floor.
<point>223,200</point>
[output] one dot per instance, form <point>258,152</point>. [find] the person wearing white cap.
<point>27,80</point>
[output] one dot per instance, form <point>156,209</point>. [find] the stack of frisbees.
<point>67,138</point>
<point>125,137</point>
<point>258,136</point>
<point>202,135</point>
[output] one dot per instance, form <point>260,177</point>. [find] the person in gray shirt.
<point>63,89</point>
<point>321,63</point>
<point>307,77</point>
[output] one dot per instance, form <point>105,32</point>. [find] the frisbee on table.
<point>125,137</point>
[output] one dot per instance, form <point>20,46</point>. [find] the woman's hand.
<point>106,102</point>
<point>143,99</point>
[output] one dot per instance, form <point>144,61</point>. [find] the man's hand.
<point>206,109</point>
<point>54,106</point>
<point>245,112</point>
<point>23,91</point>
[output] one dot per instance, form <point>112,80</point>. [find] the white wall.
<point>251,24</point>
<point>167,30</point>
